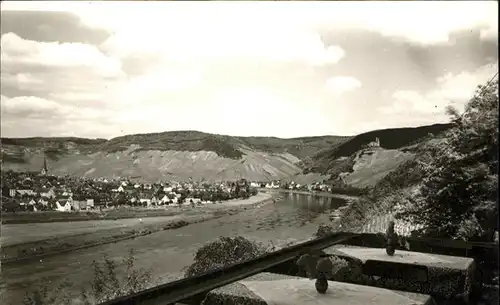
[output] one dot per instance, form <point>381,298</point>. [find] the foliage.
<point>356,213</point>
<point>223,252</point>
<point>42,296</point>
<point>340,187</point>
<point>457,197</point>
<point>222,148</point>
<point>406,174</point>
<point>253,191</point>
<point>389,138</point>
<point>106,284</point>
<point>226,146</point>
<point>332,266</point>
<point>323,230</point>
<point>54,141</point>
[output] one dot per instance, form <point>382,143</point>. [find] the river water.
<point>167,253</point>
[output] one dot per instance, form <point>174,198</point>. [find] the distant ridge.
<point>183,154</point>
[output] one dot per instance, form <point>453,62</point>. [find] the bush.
<point>356,214</point>
<point>340,268</point>
<point>406,174</point>
<point>323,230</point>
<point>223,252</point>
<point>253,191</point>
<point>335,268</point>
<point>106,284</point>
<point>340,187</point>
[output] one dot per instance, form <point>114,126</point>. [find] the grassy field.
<point>79,238</point>
<point>54,216</point>
<point>24,233</point>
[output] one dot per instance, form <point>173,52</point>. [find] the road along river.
<point>167,253</point>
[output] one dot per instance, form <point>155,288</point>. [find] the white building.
<point>63,206</point>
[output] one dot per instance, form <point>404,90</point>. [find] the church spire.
<point>44,169</point>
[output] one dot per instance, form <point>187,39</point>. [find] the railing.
<point>192,287</point>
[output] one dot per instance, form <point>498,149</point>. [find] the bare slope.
<point>169,155</point>
<point>371,165</point>
<point>364,167</point>
<point>192,154</point>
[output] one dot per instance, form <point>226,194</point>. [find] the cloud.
<point>341,84</point>
<point>50,27</point>
<point>34,107</point>
<point>56,71</point>
<point>33,116</point>
<point>219,41</point>
<point>451,89</point>
<point>29,106</point>
<point>19,54</point>
<point>257,67</point>
<point>38,127</point>
<point>264,110</point>
<point>419,22</point>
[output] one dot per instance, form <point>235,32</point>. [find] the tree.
<point>237,189</point>
<point>120,199</point>
<point>253,191</point>
<point>458,194</point>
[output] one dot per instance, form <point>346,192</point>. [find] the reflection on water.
<point>295,210</point>
<point>292,219</point>
<point>315,203</point>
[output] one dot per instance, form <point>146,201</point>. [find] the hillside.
<point>458,166</point>
<point>394,138</point>
<point>169,155</point>
<point>370,166</point>
<point>222,145</point>
<point>362,166</point>
<point>191,154</point>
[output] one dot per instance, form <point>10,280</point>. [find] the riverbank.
<point>108,214</point>
<point>73,237</point>
<point>312,193</point>
<point>125,212</point>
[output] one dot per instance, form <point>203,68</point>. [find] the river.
<point>167,253</point>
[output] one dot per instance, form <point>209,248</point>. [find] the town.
<point>41,191</point>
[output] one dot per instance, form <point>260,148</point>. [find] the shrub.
<point>223,252</point>
<point>333,267</point>
<point>355,215</point>
<point>323,230</point>
<point>340,187</point>
<point>253,191</point>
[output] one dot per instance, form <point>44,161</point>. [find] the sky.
<point>283,69</point>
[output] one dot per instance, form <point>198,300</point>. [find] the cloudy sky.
<point>264,69</point>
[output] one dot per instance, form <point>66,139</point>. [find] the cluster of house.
<point>180,192</point>
<point>291,185</point>
<point>35,191</point>
<point>39,191</point>
<point>27,191</point>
